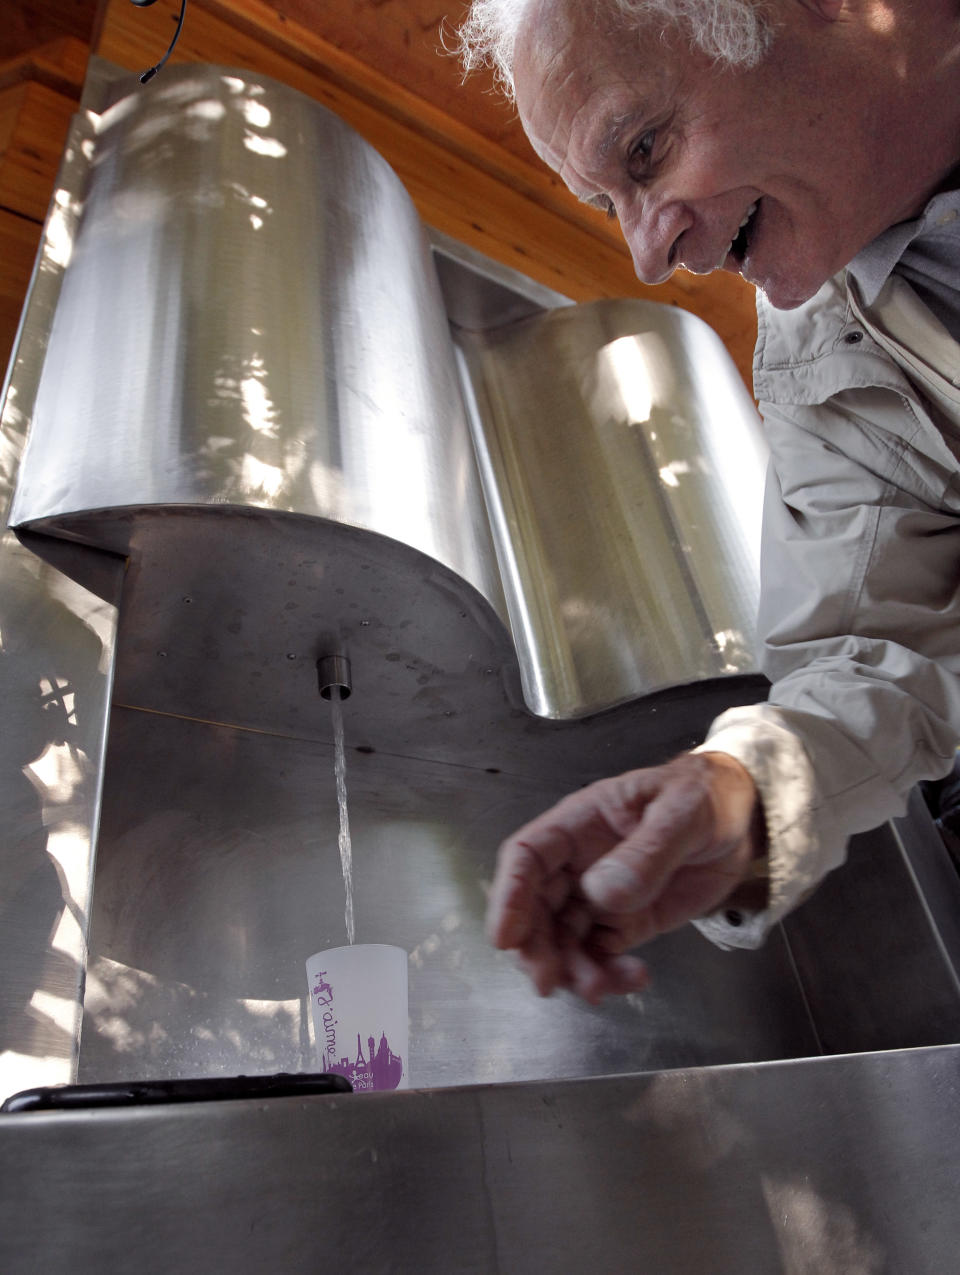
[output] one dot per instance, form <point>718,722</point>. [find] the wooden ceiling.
<point>400,39</point>
<point>27,24</point>
<point>406,41</point>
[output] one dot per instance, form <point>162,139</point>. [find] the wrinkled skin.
<point>617,863</point>
<point>832,137</point>
<point>847,127</point>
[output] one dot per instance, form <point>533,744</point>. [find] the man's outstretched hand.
<point>614,865</point>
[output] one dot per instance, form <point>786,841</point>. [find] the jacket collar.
<point>807,355</point>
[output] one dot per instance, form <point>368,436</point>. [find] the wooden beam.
<point>60,65</point>
<point>33,129</point>
<point>39,92</point>
<point>409,43</point>
<point>29,23</point>
<point>19,240</point>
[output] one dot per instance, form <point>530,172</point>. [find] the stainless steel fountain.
<point>257,417</point>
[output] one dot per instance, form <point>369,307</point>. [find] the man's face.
<point>781,173</point>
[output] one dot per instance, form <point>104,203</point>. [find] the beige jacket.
<point>860,598</point>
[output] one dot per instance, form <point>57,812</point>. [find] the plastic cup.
<point>358,1000</point>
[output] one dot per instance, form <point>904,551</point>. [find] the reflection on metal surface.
<point>934,875</point>
<point>56,643</point>
<point>223,619</point>
<point>819,1167</point>
<point>623,466</point>
<point>909,927</point>
<point>246,427</point>
<point>334,676</point>
<point>283,469</point>
<point>218,869</point>
<point>262,278</point>
<point>54,696</point>
<point>480,294</point>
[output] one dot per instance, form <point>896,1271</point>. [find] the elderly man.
<point>813,147</point>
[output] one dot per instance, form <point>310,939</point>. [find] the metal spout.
<point>333,674</point>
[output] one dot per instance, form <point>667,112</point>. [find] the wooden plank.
<point>19,240</point>
<point>407,42</point>
<point>11,101</point>
<point>61,65</point>
<point>39,92</point>
<point>33,128</point>
<point>30,23</point>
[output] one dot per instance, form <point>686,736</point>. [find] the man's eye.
<point>638,156</point>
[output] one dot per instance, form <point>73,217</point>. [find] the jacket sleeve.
<point>860,608</point>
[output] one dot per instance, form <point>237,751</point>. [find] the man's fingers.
<point>586,824</point>
<point>539,866</point>
<point>626,974</point>
<point>543,962</point>
<point>544,857</point>
<point>638,869</point>
<point>588,978</point>
<point>616,864</point>
<point>514,896</point>
<point>594,975</point>
<point>541,861</point>
<point>576,918</point>
<point>702,810</point>
<point>633,930</point>
<point>691,892</point>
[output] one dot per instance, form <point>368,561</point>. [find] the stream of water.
<point>346,850</point>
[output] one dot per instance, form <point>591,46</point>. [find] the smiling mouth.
<point>740,245</point>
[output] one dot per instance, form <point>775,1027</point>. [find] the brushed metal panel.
<point>56,642</point>
<point>55,646</point>
<point>623,463</point>
<point>876,948</point>
<point>827,1165</point>
<point>935,876</point>
<point>479,293</point>
<point>260,280</point>
<point>224,617</point>
<point>141,353</point>
<point>218,874</point>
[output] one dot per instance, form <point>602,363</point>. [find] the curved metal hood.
<point>250,342</point>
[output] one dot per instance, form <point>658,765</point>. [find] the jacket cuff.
<point>778,764</point>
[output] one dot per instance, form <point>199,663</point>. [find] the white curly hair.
<point>736,33</point>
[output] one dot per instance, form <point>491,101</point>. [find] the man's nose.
<point>652,236</point>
